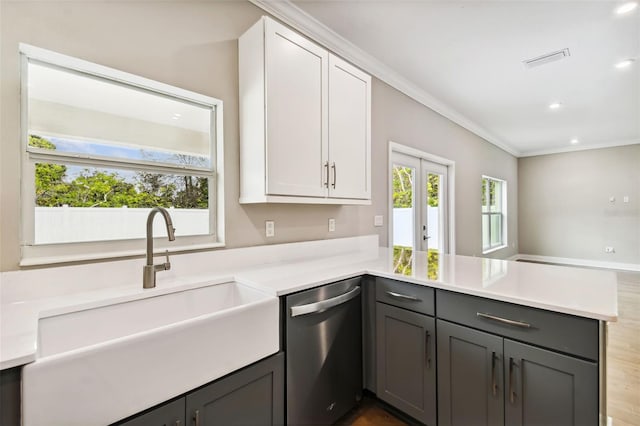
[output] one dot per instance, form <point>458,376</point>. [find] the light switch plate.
<point>270,228</point>
<point>378,220</point>
<point>332,225</point>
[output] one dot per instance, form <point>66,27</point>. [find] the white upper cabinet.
<point>304,121</point>
<point>349,130</point>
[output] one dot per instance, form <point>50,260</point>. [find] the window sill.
<point>32,258</point>
<point>491,250</point>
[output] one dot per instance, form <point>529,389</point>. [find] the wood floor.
<point>623,366</point>
<point>623,354</point>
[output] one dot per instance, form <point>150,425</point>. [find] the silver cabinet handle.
<point>178,422</point>
<point>494,385</point>
<point>504,320</point>
<point>323,305</point>
<point>427,349</point>
<point>326,166</point>
<point>512,393</point>
<point>196,417</point>
<point>403,296</point>
<point>333,166</point>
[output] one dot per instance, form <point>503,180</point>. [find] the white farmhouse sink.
<point>99,365</point>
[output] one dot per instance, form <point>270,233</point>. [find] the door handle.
<point>512,393</point>
<point>333,166</point>
<point>326,166</point>
<point>403,296</point>
<point>503,320</point>
<point>323,305</point>
<point>494,385</point>
<point>428,349</point>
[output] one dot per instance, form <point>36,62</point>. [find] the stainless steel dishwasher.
<point>324,353</point>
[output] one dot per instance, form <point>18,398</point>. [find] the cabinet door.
<point>169,414</point>
<point>406,362</point>
<point>349,131</point>
<point>470,380</point>
<point>252,396</point>
<point>296,113</point>
<point>547,388</point>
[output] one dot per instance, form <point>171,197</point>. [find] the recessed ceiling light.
<point>574,141</point>
<point>555,105</point>
<point>626,7</point>
<point>177,114</point>
<point>175,117</point>
<point>625,63</point>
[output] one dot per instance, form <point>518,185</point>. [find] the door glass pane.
<point>403,206</point>
<point>434,211</point>
<point>402,260</point>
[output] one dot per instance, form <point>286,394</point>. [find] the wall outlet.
<point>609,250</point>
<point>332,225</point>
<point>625,199</point>
<point>269,228</point>
<point>378,220</point>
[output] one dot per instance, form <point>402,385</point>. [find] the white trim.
<point>292,15</point>
<point>451,185</point>
<point>112,74</point>
<point>573,148</point>
<point>579,262</point>
<point>491,250</point>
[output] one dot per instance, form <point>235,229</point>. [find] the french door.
<point>420,204</point>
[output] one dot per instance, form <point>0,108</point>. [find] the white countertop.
<point>288,268</point>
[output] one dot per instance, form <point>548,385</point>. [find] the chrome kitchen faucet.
<point>149,270</point>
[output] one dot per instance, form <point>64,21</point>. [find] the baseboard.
<point>635,267</point>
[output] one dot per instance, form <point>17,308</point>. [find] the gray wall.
<point>193,45</point>
<point>564,207</point>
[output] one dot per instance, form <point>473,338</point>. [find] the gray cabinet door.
<point>547,388</point>
<point>169,414</point>
<point>406,361</point>
<point>252,396</point>
<point>470,381</point>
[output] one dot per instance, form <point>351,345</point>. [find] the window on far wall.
<point>102,147</point>
<point>494,217</point>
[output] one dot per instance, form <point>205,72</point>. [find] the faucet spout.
<point>149,273</point>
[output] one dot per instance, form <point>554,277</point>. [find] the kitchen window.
<point>494,217</point>
<point>101,148</point>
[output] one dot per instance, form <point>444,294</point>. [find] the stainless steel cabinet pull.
<point>512,393</point>
<point>326,166</point>
<point>196,417</point>
<point>178,422</point>
<point>403,296</point>
<point>333,166</point>
<point>323,305</point>
<point>494,385</point>
<point>504,320</point>
<point>428,349</point>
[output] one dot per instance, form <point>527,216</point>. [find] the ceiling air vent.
<point>546,58</point>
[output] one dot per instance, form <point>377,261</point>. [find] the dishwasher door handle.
<point>323,305</point>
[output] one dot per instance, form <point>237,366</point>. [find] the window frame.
<point>32,254</point>
<point>502,213</point>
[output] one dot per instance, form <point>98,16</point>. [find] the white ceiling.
<point>467,56</point>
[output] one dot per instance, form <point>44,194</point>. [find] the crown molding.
<point>574,148</point>
<point>292,15</point>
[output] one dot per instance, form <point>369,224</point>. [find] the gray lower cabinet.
<point>169,414</point>
<point>406,361</point>
<point>470,380</point>
<point>253,396</point>
<point>484,379</point>
<point>548,388</point>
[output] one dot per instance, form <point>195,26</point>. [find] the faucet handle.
<point>167,264</point>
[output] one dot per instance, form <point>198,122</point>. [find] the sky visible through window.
<point>121,151</point>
